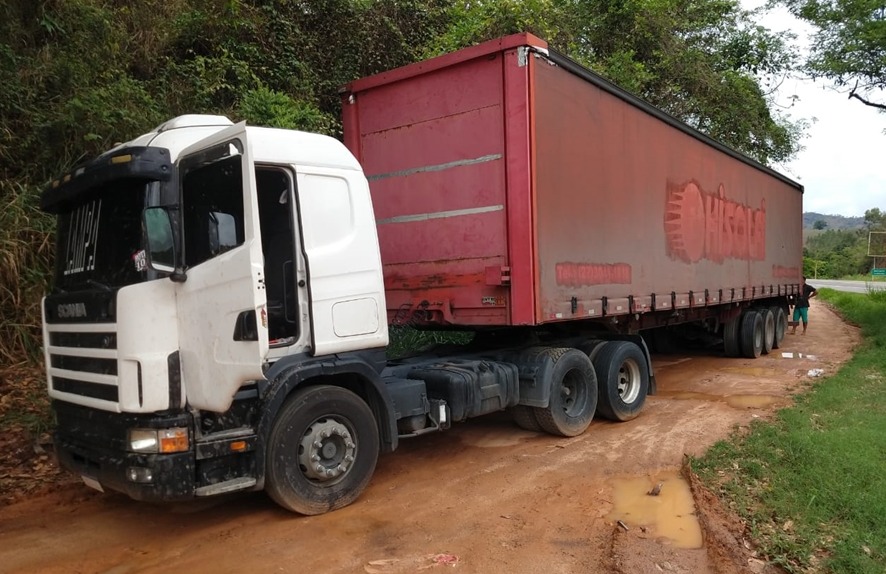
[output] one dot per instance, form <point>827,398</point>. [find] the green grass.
<point>407,340</point>
<point>811,484</point>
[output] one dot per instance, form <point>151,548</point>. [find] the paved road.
<point>850,286</point>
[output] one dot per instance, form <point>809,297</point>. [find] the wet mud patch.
<point>734,401</point>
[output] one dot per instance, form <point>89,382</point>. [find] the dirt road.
<point>484,497</point>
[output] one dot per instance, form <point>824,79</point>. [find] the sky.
<point>843,165</point>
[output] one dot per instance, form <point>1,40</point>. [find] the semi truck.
<point>222,295</point>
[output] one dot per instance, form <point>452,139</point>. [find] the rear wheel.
<point>781,325</point>
<point>663,340</point>
<point>524,416</point>
<point>751,334</point>
<point>591,347</point>
<point>573,394</point>
<point>322,450</point>
<point>622,380</point>
<point>731,341</point>
<point>768,330</point>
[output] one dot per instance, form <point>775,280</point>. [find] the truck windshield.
<point>99,242</point>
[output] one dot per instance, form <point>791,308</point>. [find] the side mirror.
<point>160,248</point>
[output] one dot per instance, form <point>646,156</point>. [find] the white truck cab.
<point>194,264</point>
<point>239,297</point>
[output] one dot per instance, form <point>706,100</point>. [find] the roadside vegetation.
<point>406,340</point>
<point>846,253</point>
<point>811,483</point>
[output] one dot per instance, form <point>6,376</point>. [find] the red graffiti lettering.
<point>780,272</point>
<point>579,274</point>
<point>700,225</point>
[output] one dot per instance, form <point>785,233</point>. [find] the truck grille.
<point>82,363</point>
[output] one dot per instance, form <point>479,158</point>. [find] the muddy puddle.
<point>661,506</point>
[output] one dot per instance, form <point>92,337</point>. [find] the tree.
<point>820,224</point>
<point>849,45</point>
<point>837,253</point>
<point>874,219</point>
<point>703,61</point>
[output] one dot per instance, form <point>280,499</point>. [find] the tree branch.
<point>852,94</point>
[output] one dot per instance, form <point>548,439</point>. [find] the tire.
<point>322,450</point>
<point>731,342</point>
<point>768,330</point>
<point>781,325</point>
<point>622,379</point>
<point>524,416</point>
<point>591,347</point>
<point>573,394</point>
<point>751,334</point>
<point>663,341</point>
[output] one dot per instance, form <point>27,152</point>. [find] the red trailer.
<point>512,186</point>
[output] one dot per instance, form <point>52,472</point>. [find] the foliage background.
<point>76,76</point>
<point>832,253</point>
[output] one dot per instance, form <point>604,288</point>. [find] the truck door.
<point>221,305</point>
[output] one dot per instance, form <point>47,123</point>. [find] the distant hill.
<point>832,221</point>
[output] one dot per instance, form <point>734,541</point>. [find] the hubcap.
<point>629,381</point>
<point>326,451</point>
<point>571,393</point>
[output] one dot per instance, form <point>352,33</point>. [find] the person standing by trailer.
<point>801,305</point>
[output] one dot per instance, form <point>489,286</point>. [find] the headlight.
<point>159,440</point>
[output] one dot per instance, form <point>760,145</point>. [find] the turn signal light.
<point>173,440</point>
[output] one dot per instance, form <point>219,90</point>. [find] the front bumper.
<point>94,444</point>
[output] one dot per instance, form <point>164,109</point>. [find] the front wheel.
<point>623,379</point>
<point>322,450</point>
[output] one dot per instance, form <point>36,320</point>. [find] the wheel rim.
<point>327,450</point>
<point>629,381</point>
<point>573,393</point>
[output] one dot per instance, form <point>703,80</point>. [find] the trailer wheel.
<point>524,416</point>
<point>322,450</point>
<point>731,341</point>
<point>573,394</point>
<point>781,325</point>
<point>663,340</point>
<point>751,334</point>
<point>623,380</point>
<point>768,330</point>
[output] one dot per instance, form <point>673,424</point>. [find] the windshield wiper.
<point>98,285</point>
